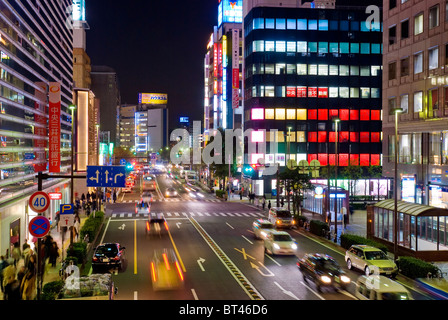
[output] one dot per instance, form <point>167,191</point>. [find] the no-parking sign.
<point>39,227</point>
<point>39,202</point>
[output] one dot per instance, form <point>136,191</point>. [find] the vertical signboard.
<point>235,68</point>
<point>40,130</point>
<point>55,128</point>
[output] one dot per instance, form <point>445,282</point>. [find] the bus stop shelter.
<point>422,229</point>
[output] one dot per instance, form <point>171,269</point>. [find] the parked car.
<point>280,242</point>
<point>108,256</point>
<point>371,260</point>
<point>376,287</point>
<point>261,228</point>
<point>324,271</point>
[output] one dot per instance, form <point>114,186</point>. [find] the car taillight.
<point>117,258</point>
<point>153,271</point>
<point>179,271</point>
<point>148,226</point>
<point>95,259</point>
<point>166,226</point>
<point>167,264</point>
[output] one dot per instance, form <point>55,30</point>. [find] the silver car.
<point>280,242</point>
<point>262,228</point>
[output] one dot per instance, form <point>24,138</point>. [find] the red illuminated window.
<point>312,136</point>
<point>323,159</point>
<point>375,159</point>
<point>334,113</point>
<point>312,114</point>
<point>343,136</point>
<point>343,160</point>
<point>364,137</point>
<point>323,92</point>
<point>323,114</point>
<point>354,115</point>
<point>354,137</point>
<point>322,136</point>
<point>354,159</point>
<point>376,115</point>
<point>312,92</point>
<point>331,158</point>
<point>312,157</point>
<point>301,92</point>
<point>331,136</point>
<point>364,160</point>
<point>344,114</point>
<point>375,137</point>
<point>291,92</point>
<point>365,115</point>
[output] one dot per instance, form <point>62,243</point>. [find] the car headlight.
<point>294,246</point>
<point>345,279</point>
<point>276,246</point>
<point>325,279</point>
<point>263,234</point>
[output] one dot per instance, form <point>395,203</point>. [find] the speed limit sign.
<point>39,202</point>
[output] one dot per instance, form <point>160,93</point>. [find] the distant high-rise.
<point>106,87</point>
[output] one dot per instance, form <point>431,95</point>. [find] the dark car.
<point>108,256</point>
<point>156,224</point>
<point>323,270</point>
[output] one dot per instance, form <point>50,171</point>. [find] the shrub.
<point>301,220</point>
<point>347,240</point>
<point>78,250</point>
<point>415,268</point>
<point>220,193</point>
<point>316,227</point>
<point>51,290</point>
<point>92,225</point>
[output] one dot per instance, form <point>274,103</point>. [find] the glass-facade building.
<point>305,67</point>
<point>36,48</point>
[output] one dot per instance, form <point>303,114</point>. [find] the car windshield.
<point>267,226</point>
<point>395,296</point>
<point>107,250</point>
<point>284,214</point>
<point>375,255</point>
<point>282,237</point>
<point>326,264</point>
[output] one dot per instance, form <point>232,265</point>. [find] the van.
<point>376,287</point>
<point>281,217</point>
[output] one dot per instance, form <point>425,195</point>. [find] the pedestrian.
<point>241,194</point>
<point>26,253</point>
<point>88,196</point>
<point>28,285</point>
<point>282,202</point>
<point>263,202</point>
<point>108,196</point>
<point>269,205</point>
<point>54,253</point>
<point>83,198</point>
<point>3,265</point>
<point>16,253</point>
<point>12,285</point>
<point>115,197</point>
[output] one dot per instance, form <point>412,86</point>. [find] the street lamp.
<point>336,122</point>
<point>396,112</point>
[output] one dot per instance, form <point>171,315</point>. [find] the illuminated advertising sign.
<point>40,130</point>
<point>153,98</point>
<point>55,128</point>
<point>215,60</point>
<point>79,10</point>
<point>235,68</point>
<point>184,120</point>
<point>408,188</point>
<point>230,11</point>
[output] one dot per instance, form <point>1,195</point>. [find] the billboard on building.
<point>153,98</point>
<point>235,68</point>
<point>55,128</point>
<point>230,11</point>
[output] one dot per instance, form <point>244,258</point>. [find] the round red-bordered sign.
<point>39,202</point>
<point>39,227</point>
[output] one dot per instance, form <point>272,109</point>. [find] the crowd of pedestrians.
<point>19,270</point>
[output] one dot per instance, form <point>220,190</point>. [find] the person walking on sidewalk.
<point>3,265</point>
<point>263,203</point>
<point>54,253</point>
<point>269,205</point>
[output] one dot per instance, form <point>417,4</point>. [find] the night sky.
<point>155,47</point>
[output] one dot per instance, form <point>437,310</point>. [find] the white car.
<point>280,242</point>
<point>262,228</point>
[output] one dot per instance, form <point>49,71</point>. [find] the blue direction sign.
<point>106,176</point>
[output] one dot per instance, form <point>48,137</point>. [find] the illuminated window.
<point>280,136</point>
<point>292,136</point>
<point>374,70</point>
<point>280,24</point>
<point>291,46</point>
<point>291,24</point>
<point>257,136</point>
<point>291,92</point>
<point>344,136</point>
<point>302,24</point>
<point>418,24</point>
<point>269,114</point>
<point>354,115</point>
<point>334,47</point>
<point>365,160</point>
<point>365,93</point>
<point>433,58</point>
<point>270,91</point>
<point>344,47</point>
<point>344,114</point>
<point>301,137</point>
<point>312,25</point>
<point>365,71</point>
<point>333,92</point>
<point>323,159</point>
<point>301,92</point>
<point>257,114</point>
<point>323,92</point>
<point>418,101</point>
<point>269,68</point>
<point>354,47</point>
<point>375,115</point>
<point>280,68</point>
<point>291,114</point>
<point>376,48</point>
<point>258,46</point>
<point>312,47</point>
<point>354,136</point>
<point>270,23</point>
<point>322,114</point>
<point>375,160</point>
<point>323,47</point>
<point>280,46</point>
<point>375,92</point>
<point>302,69</point>
<point>302,46</point>
<point>364,137</point>
<point>270,46</point>
<point>323,69</point>
<point>312,157</point>
<point>280,114</point>
<point>312,114</point>
<point>365,115</point>
<point>404,103</point>
<point>343,92</point>
<point>334,70</point>
<point>365,48</point>
<point>301,114</point>
<point>312,136</point>
<point>291,68</point>
<point>375,137</point>
<point>344,70</point>
<point>418,62</point>
<point>323,25</point>
<point>258,23</point>
<point>354,159</point>
<point>333,113</point>
<point>354,92</point>
<point>322,136</point>
<point>312,92</point>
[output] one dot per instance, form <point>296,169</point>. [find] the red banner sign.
<point>55,128</point>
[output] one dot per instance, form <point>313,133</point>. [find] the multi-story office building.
<point>127,127</point>
<point>306,66</point>
<point>223,70</point>
<point>415,79</point>
<point>36,48</point>
<point>106,87</point>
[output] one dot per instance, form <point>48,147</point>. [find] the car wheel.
<point>349,264</point>
<point>318,286</point>
<point>304,277</point>
<point>367,271</point>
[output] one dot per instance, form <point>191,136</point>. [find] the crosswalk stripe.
<point>176,214</point>
<point>207,214</point>
<point>244,214</point>
<point>190,214</point>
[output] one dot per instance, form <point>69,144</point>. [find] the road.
<point>216,248</point>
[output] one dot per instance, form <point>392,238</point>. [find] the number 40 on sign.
<point>39,202</point>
